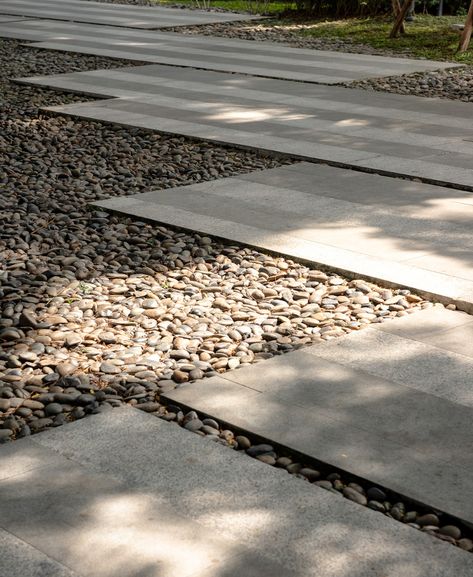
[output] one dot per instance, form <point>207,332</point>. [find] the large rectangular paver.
<point>113,14</point>
<point>393,134</point>
<point>392,409</point>
<point>362,223</point>
<point>102,527</point>
<point>306,529</point>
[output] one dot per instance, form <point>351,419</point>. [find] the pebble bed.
<point>360,491</point>
<point>101,310</point>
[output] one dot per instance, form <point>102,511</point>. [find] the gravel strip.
<point>361,491</point>
<point>98,310</point>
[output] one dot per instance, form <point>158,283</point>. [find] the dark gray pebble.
<point>256,450</point>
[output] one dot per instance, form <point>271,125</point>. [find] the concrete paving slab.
<point>405,361</point>
<point>308,530</point>
<point>18,559</point>
<point>115,15</point>
<point>458,340</point>
<point>101,527</point>
<point>317,212</point>
<point>25,457</point>
<point>392,134</point>
<point>426,324</point>
<point>393,433</point>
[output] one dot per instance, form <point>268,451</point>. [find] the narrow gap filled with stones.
<point>99,310</point>
<point>361,491</point>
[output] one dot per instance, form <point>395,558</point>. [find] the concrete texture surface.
<point>128,475</point>
<point>18,558</point>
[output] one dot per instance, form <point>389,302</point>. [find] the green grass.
<point>427,37</point>
<point>252,6</point>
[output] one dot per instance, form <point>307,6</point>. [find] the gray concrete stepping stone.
<point>294,528</point>
<point>102,527</point>
<point>388,408</point>
<point>388,133</point>
<point>19,559</point>
<point>223,54</point>
<point>115,14</point>
<point>408,233</point>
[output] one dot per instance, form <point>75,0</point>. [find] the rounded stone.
<point>243,442</point>
<point>354,496</point>
<point>324,484</point>
<point>211,423</point>
<point>180,376</point>
<point>451,531</point>
<point>268,459</point>
<point>209,430</point>
<point>52,409</point>
<point>193,425</point>
<point>376,494</point>
<point>428,519</point>
<point>466,544</point>
<point>283,462</point>
<point>261,449</point>
<point>5,435</point>
<point>294,468</point>
<point>310,474</point>
<point>85,399</point>
<point>377,506</point>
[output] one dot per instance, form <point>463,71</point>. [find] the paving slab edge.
<point>461,304</point>
<point>59,110</point>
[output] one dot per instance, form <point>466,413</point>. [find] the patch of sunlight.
<point>251,522</point>
<point>240,115</point>
<point>136,531</point>
<point>18,464</point>
<point>353,122</point>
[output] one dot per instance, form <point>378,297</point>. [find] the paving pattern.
<point>407,233</point>
<point>124,493</point>
<point>114,14</point>
<point>392,134</point>
<point>224,54</point>
<point>392,403</point>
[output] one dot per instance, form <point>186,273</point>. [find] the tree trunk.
<point>467,31</point>
<point>400,18</point>
<point>396,9</point>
